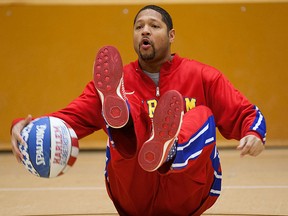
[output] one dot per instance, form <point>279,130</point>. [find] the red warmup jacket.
<point>199,84</point>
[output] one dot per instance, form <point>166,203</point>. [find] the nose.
<point>146,30</point>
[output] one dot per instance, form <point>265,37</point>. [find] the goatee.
<point>147,56</point>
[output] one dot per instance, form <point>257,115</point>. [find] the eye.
<point>154,25</point>
<point>138,27</point>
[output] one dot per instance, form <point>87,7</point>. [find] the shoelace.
<point>172,151</point>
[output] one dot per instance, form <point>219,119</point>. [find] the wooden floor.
<point>251,186</point>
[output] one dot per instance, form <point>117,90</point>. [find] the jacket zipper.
<point>157,87</point>
<point>157,91</point>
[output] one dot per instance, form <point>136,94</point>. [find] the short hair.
<point>166,18</point>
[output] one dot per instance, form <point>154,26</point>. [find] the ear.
<point>171,35</point>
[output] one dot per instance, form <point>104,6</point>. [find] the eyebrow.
<point>150,19</point>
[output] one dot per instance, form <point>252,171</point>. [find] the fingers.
<point>251,145</point>
<point>15,150</point>
<point>244,146</point>
<point>256,148</point>
<point>26,121</point>
<point>17,138</point>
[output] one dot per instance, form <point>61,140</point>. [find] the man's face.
<point>151,38</point>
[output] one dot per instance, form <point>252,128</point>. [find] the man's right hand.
<point>16,137</point>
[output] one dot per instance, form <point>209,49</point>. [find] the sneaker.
<point>108,80</point>
<point>166,127</point>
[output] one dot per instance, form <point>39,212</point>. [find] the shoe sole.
<point>166,127</point>
<point>108,80</point>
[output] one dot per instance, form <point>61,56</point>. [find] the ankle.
<point>172,152</point>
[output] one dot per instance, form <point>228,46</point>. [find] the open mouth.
<point>145,43</point>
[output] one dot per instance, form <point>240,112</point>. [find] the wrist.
<point>255,134</point>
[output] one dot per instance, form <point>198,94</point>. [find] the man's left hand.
<point>251,145</point>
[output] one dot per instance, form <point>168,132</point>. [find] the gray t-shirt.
<point>153,76</point>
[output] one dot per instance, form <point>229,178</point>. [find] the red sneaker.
<point>108,80</point>
<point>166,127</point>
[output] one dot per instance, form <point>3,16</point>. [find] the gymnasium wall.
<point>47,53</point>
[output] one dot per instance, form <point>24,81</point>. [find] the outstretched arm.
<point>83,114</point>
<point>236,117</point>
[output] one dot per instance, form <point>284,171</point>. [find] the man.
<point>160,161</point>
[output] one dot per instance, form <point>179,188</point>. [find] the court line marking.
<point>53,189</point>
<point>103,188</point>
<point>257,187</point>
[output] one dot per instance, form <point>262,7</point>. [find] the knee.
<point>202,112</point>
<point>194,120</point>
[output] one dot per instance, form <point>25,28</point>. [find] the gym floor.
<point>251,186</point>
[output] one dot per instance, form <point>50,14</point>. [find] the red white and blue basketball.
<point>52,147</point>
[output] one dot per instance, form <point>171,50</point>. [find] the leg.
<point>193,182</point>
<point>166,126</point>
<point>108,80</point>
<point>189,188</point>
<point>198,157</point>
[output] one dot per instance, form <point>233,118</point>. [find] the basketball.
<point>52,147</point>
